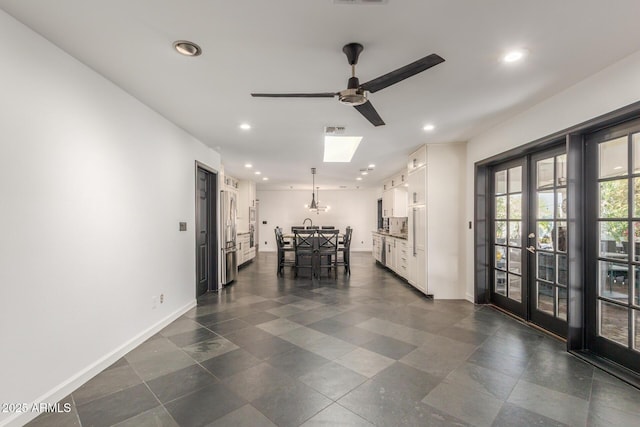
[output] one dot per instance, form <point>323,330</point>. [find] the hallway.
<point>363,350</point>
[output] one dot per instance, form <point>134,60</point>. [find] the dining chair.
<point>304,245</point>
<point>345,249</point>
<point>283,249</point>
<point>328,227</point>
<point>327,251</point>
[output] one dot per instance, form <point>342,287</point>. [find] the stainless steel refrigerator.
<point>228,214</point>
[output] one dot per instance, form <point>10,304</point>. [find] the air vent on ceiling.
<point>343,186</point>
<point>334,130</point>
<point>360,1</point>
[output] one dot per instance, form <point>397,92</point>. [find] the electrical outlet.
<point>154,302</point>
<point>161,298</point>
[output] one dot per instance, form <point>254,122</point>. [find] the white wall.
<point>614,87</point>
<point>92,187</point>
<point>284,208</point>
<point>446,257</point>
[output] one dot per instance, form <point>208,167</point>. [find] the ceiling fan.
<point>356,94</point>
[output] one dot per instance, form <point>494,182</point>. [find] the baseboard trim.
<point>66,387</point>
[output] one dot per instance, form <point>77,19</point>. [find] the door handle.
<point>532,235</point>
<point>531,249</point>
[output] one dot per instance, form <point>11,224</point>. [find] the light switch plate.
<point>183,226</point>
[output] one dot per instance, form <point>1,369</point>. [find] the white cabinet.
<point>417,247</point>
<point>417,159</point>
<point>417,188</point>
<point>377,247</point>
<point>401,258</point>
<point>390,255</point>
<point>244,251</point>
<point>394,203</point>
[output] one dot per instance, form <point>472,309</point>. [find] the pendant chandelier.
<point>315,206</point>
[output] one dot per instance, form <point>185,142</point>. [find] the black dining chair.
<point>327,251</point>
<point>283,249</point>
<point>345,249</point>
<point>304,245</point>
<point>328,227</point>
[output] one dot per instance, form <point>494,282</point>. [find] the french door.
<point>529,229</point>
<point>613,243</point>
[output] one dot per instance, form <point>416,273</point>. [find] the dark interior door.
<point>206,260</point>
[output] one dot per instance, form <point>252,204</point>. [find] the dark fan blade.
<point>402,73</point>
<point>370,113</point>
<point>295,95</point>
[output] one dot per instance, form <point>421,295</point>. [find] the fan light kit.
<point>429,127</point>
<point>187,48</point>
<point>356,94</point>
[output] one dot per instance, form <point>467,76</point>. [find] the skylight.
<point>340,148</point>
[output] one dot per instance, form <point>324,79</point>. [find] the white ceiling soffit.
<point>296,46</point>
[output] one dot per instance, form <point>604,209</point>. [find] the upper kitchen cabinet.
<point>418,186</point>
<point>246,205</point>
<point>417,159</point>
<point>394,203</point>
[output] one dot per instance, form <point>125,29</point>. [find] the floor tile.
<point>184,381</point>
<point>365,362</point>
<point>389,347</point>
<point>107,382</point>
<point>210,348</point>
<point>561,372</point>
<point>254,382</point>
<point>247,335</point>
<point>278,326</point>
<point>58,419</point>
<point>479,409</point>
<point>552,404</point>
<point>354,335</point>
<point>512,415</point>
<point>619,396</point>
<point>117,407</point>
<point>230,363</point>
<point>150,348</point>
<point>297,361</point>
<point>161,364</point>
<point>482,380</point>
<point>259,317</point>
<point>264,349</point>
<point>204,406</point>
<point>228,326</point>
<point>332,380</point>
<point>499,362</point>
<point>329,347</point>
<point>285,310</point>
<point>407,380</point>
<point>191,337</point>
<point>336,416</point>
<point>155,417</point>
<point>302,336</point>
<point>245,416</point>
<point>183,324</point>
<point>291,406</point>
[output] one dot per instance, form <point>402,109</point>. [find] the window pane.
<point>514,260</point>
<point>562,269</point>
<point>614,239</point>
<point>545,297</point>
<point>561,203</point>
<point>614,323</point>
<point>545,235</point>
<point>545,204</point>
<point>501,232</point>
<point>545,173</point>
<point>561,242</point>
<point>613,281</point>
<point>636,240</point>
<point>501,182</point>
<point>636,197</point>
<point>546,267</point>
<point>500,286</point>
<point>562,303</point>
<point>636,342</point>
<point>515,287</point>
<point>515,206</point>
<point>613,158</point>
<point>501,257</point>
<point>614,199</point>
<point>636,152</point>
<point>515,180</point>
<point>515,238</point>
<point>501,207</point>
<point>561,170</point>
<point>636,281</point>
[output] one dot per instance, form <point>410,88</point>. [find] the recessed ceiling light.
<point>371,166</point>
<point>429,127</point>
<point>245,126</point>
<point>359,178</point>
<point>258,172</point>
<point>265,179</point>
<point>514,56</point>
<point>187,48</point>
<point>340,148</point>
<point>364,173</point>
<point>248,165</point>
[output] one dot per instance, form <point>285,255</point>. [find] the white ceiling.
<point>296,46</point>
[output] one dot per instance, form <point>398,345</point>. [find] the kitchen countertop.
<point>242,232</point>
<point>386,233</point>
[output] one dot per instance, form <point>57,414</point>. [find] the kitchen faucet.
<point>310,220</point>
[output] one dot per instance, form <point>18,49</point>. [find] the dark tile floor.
<point>357,351</point>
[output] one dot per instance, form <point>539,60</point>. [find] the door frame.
<point>213,211</point>
<point>574,139</point>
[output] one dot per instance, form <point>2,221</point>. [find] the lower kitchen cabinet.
<point>244,251</point>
